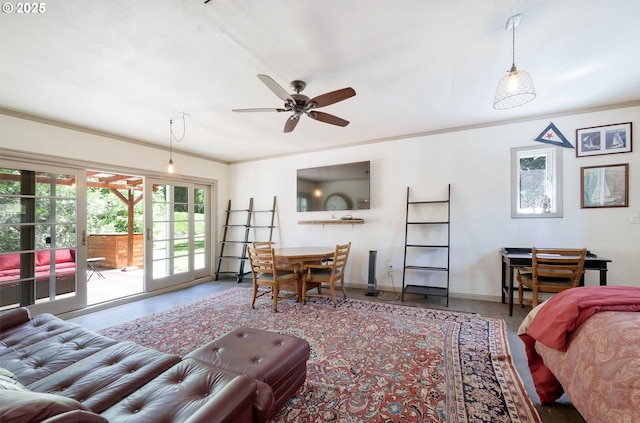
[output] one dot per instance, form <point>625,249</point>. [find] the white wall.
<point>476,163</point>
<point>99,152</point>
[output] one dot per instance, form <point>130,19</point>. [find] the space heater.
<point>371,284</point>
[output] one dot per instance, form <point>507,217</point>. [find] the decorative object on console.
<point>170,170</point>
<point>604,186</point>
<point>607,139</point>
<point>516,88</point>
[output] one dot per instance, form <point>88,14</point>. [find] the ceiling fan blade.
<point>276,88</point>
<point>327,118</point>
<point>332,97</point>
<point>291,123</point>
<point>260,109</point>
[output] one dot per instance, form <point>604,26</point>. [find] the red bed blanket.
<point>559,316</point>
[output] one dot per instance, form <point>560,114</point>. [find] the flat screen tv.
<point>334,188</point>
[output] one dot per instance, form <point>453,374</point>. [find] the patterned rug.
<point>370,362</point>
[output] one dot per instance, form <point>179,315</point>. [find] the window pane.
<point>37,213</point>
<point>536,182</point>
<point>533,184</point>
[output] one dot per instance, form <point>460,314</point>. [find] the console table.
<point>521,257</point>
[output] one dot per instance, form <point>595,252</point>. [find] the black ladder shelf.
<point>440,289</point>
<point>237,236</point>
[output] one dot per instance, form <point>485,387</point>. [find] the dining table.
<point>300,256</point>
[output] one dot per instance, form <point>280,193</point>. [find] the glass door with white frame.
<point>42,260</point>
<point>201,231</point>
<point>177,240</point>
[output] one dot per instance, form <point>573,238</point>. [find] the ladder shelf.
<point>237,236</point>
<point>423,247</point>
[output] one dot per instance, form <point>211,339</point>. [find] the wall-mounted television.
<point>334,188</point>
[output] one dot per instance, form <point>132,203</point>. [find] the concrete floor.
<point>561,412</point>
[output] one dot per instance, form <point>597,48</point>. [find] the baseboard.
<point>459,295</point>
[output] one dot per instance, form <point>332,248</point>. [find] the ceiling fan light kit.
<point>299,104</point>
<point>516,87</point>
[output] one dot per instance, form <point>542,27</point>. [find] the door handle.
<point>148,234</point>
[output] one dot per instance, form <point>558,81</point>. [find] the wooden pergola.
<point>117,184</point>
<point>127,188</point>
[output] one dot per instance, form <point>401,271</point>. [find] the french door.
<point>177,241</point>
<point>42,255</point>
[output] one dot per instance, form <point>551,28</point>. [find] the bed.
<point>586,342</point>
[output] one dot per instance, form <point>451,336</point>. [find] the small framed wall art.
<point>607,139</point>
<point>604,186</point>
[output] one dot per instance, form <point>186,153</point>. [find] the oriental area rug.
<point>370,362</point>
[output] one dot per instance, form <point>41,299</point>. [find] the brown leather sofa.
<point>60,372</point>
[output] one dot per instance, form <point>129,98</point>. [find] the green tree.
<point>106,213</point>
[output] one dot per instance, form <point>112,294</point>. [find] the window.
<point>536,181</point>
<point>38,237</point>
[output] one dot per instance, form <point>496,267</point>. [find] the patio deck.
<point>115,284</point>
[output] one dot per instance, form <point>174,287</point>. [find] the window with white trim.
<point>536,181</point>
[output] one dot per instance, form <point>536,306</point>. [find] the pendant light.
<point>170,170</point>
<point>516,87</point>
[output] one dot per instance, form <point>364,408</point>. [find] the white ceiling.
<point>418,66</point>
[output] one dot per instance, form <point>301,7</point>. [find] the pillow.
<point>43,258</point>
<point>27,406</point>
<point>9,381</point>
<point>9,261</point>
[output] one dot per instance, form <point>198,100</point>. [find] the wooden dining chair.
<point>277,278</point>
<point>552,270</point>
<point>261,244</point>
<point>331,273</point>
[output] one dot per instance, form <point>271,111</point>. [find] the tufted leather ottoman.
<point>276,359</point>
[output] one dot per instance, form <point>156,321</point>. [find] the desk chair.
<point>266,272</point>
<point>329,274</point>
<point>552,270</point>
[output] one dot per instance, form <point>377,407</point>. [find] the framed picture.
<point>604,186</point>
<point>606,139</point>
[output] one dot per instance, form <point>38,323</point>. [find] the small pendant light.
<point>516,87</point>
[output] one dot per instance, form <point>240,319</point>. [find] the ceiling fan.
<point>300,104</point>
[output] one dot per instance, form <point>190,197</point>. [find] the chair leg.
<point>534,300</point>
<point>332,288</point>
<point>255,294</point>
<point>520,294</point>
<point>304,289</point>
<point>299,284</point>
<point>344,291</point>
<point>275,298</point>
